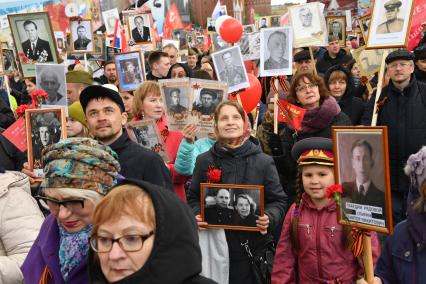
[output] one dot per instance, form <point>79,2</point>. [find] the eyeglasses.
<point>306,87</point>
<point>54,204</point>
<point>128,243</point>
<point>395,65</point>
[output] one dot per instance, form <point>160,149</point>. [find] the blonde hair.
<point>148,87</point>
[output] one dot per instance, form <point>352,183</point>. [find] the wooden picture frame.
<point>39,27</point>
<point>2,65</point>
<point>361,166</point>
<point>246,203</point>
<point>84,45</point>
<point>43,127</point>
<point>338,22</point>
<point>146,37</point>
<point>110,52</point>
<point>147,135</point>
<point>368,60</point>
<point>130,69</point>
<point>381,34</point>
<point>364,25</point>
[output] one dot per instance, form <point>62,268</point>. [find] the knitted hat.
<point>416,167</point>
<point>75,111</point>
<point>80,163</point>
<point>79,76</point>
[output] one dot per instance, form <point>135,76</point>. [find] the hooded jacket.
<point>352,106</point>
<point>175,257</point>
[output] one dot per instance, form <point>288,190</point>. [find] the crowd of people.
<point>110,211</point>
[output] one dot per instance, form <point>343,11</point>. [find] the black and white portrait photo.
<point>146,134</point>
<point>44,127</point>
<point>362,173</point>
<point>308,22</point>
<point>276,51</point>
<point>217,42</point>
<point>139,27</point>
<point>263,23</point>
<point>233,207</point>
<point>8,63</point>
<point>51,78</point>
<point>249,29</point>
<point>34,40</point>
<point>390,23</point>
<point>130,70</point>
<point>81,36</point>
<point>110,52</point>
<point>229,66</point>
<point>336,27</point>
<point>176,100</point>
<point>206,101</point>
<point>110,18</point>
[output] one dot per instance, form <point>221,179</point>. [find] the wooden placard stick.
<point>367,259</point>
<point>379,87</point>
<point>276,107</point>
<point>256,120</point>
<point>311,53</point>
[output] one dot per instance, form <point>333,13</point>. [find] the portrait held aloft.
<point>174,104</point>
<point>43,127</point>
<point>393,23</point>
<point>275,52</point>
<point>207,101</point>
<point>361,164</point>
<point>336,27</point>
<point>34,47</point>
<point>130,70</point>
<point>82,36</point>
<point>230,206</point>
<point>51,78</point>
<point>139,27</point>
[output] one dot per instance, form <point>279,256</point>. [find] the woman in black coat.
<point>240,161</point>
<point>340,83</point>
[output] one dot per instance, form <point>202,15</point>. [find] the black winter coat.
<point>244,165</point>
<point>326,61</point>
<point>140,163</point>
<point>351,105</point>
<point>11,158</point>
<point>404,113</point>
<point>6,115</point>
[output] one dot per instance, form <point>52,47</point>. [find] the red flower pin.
<point>214,175</point>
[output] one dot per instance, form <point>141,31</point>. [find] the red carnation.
<point>20,110</point>
<point>38,97</point>
<point>23,57</point>
<point>214,175</point>
<point>334,191</point>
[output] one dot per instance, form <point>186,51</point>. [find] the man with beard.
<point>110,74</point>
<point>106,116</point>
<point>220,213</point>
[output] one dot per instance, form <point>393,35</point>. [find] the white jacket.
<point>20,222</point>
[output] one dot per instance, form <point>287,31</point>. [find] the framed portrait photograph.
<point>217,42</point>
<point>139,27</point>
<point>263,23</point>
<point>362,168</point>
<point>4,45</point>
<point>146,134</point>
<point>177,97</point>
<point>364,25</point>
<point>130,70</point>
<point>276,50</point>
<point>229,66</point>
<point>99,46</point>
<point>43,127</point>
<point>51,78</point>
<point>110,18</point>
<point>309,26</point>
<point>210,23</point>
<point>110,52</point>
<point>390,24</point>
<point>60,40</point>
<point>81,36</point>
<point>206,95</point>
<point>249,29</point>
<point>231,206</point>
<point>368,60</point>
<point>34,41</point>
<point>336,26</point>
<point>8,63</point>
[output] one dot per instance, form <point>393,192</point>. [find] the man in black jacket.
<point>106,116</point>
<point>140,33</point>
<point>334,56</point>
<point>34,47</point>
<point>402,108</point>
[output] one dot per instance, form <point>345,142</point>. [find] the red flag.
<point>290,113</point>
<point>415,34</point>
<point>207,41</point>
<point>172,22</point>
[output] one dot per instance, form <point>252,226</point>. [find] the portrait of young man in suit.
<point>140,33</point>
<point>34,47</point>
<point>82,42</point>
<point>363,190</point>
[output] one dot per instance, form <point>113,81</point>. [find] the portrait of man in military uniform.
<point>231,73</point>
<point>174,101</point>
<point>393,23</point>
<point>221,212</point>
<point>35,48</point>
<point>277,46</point>
<point>82,35</point>
<point>207,102</point>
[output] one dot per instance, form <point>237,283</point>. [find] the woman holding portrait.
<point>78,173</point>
<point>240,161</point>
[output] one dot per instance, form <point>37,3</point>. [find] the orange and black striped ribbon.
<point>358,245</point>
<point>281,81</point>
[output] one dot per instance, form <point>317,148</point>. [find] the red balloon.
<point>231,30</point>
<point>250,97</point>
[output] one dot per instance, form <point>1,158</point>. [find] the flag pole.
<point>276,106</point>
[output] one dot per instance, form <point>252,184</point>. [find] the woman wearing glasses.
<point>143,234</point>
<point>78,173</point>
<point>322,112</point>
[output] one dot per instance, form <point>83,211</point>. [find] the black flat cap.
<point>302,55</point>
<point>400,54</point>
<point>96,91</point>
